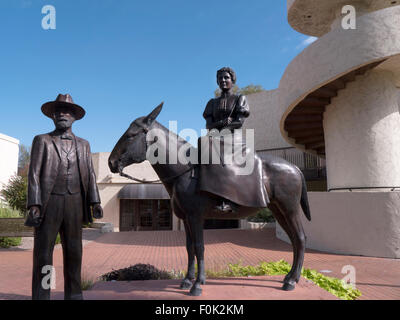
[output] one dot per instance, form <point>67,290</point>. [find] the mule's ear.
<point>153,115</point>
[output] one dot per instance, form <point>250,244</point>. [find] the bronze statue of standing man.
<point>62,194</point>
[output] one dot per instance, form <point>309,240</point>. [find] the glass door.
<point>164,215</point>
<point>146,216</point>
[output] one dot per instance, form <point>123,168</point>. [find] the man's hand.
<point>34,218</point>
<point>227,122</point>
<point>97,211</point>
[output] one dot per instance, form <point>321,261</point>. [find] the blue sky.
<point>120,59</point>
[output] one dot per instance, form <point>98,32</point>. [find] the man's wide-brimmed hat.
<point>63,100</point>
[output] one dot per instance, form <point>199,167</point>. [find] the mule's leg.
<point>196,227</point>
<point>292,217</point>
<point>190,275</point>
<point>282,222</point>
<point>300,238</point>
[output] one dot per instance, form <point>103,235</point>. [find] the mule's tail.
<point>304,198</point>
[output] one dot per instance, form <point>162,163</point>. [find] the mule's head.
<point>132,146</point>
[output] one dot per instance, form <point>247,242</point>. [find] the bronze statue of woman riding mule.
<point>284,183</point>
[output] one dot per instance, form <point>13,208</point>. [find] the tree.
<point>23,160</point>
<point>264,215</point>
<point>250,89</point>
<point>235,89</point>
<point>15,193</point>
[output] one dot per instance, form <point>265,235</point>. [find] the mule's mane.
<point>170,168</point>
<point>170,134</point>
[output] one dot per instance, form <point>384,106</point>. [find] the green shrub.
<point>332,285</point>
<point>15,193</point>
<point>148,272</point>
<point>7,242</point>
<point>335,286</point>
<point>58,239</point>
<point>86,225</point>
<point>9,213</point>
<point>137,272</point>
<point>86,284</point>
<point>264,215</point>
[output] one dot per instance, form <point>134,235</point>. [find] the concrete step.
<point>103,226</point>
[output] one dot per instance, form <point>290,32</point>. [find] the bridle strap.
<point>138,180</point>
<point>122,174</point>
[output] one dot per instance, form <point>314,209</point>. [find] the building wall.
<point>264,119</point>
<point>337,53</point>
<point>110,184</point>
<point>353,223</point>
<point>9,149</point>
<point>362,126</point>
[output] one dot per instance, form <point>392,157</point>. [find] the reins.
<point>122,174</point>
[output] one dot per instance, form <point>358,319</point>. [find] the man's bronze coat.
<point>43,170</point>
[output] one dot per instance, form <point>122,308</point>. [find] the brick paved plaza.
<point>377,278</point>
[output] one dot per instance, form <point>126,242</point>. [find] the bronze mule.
<point>284,182</point>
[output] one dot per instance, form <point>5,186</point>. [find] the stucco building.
<point>133,206</point>
<point>339,100</point>
<point>265,119</point>
<point>9,149</point>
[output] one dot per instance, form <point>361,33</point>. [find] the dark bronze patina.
<point>62,194</point>
<point>228,112</point>
<point>284,183</point>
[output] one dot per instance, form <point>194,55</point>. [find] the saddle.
<point>242,183</point>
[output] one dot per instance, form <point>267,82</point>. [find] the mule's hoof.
<point>196,291</point>
<point>186,284</point>
<point>288,286</point>
<point>287,277</point>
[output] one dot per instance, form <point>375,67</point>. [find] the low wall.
<point>353,223</point>
<point>244,224</point>
<point>14,227</point>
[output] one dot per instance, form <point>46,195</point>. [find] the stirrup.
<point>226,207</point>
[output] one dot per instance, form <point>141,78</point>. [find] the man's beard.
<point>63,125</point>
